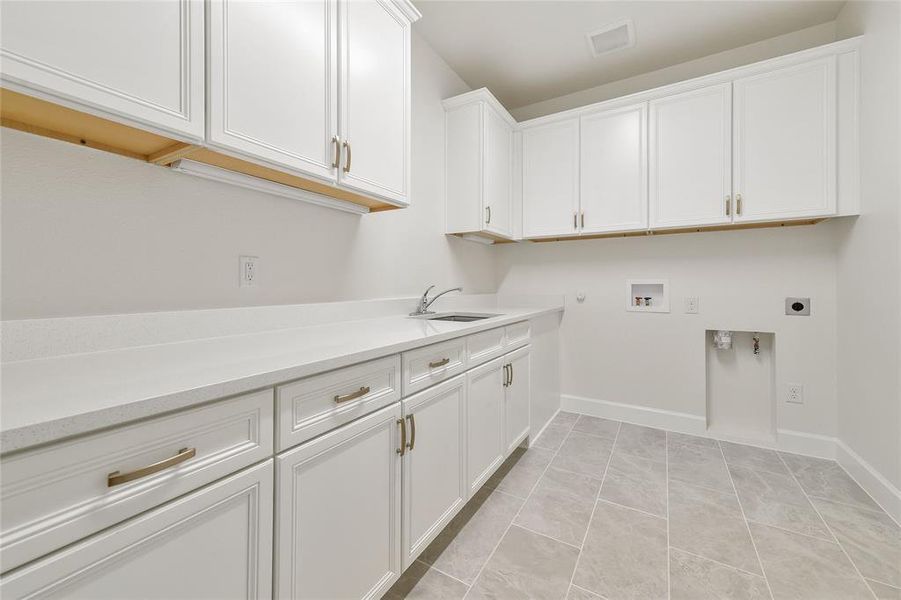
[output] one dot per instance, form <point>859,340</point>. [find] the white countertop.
<point>51,398</point>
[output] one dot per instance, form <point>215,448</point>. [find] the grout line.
<point>587,591</point>
<point>832,533</point>
<point>745,519</point>
<point>632,508</point>
<point>443,573</point>
<point>669,586</point>
<point>787,530</point>
<point>531,491</point>
<point>722,564</point>
<point>544,535</point>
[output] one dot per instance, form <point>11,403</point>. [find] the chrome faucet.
<point>425,303</point>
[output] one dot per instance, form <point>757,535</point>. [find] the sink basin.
<point>458,317</point>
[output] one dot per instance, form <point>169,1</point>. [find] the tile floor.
<point>602,509</point>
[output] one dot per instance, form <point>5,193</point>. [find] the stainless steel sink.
<point>458,317</point>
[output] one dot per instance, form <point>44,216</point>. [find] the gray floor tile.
<point>709,523</point>
<point>883,591</point>
<point>636,482</point>
<point>561,505</point>
<point>419,582</point>
<point>698,465</point>
<point>696,578</point>
<point>565,418</point>
<point>577,593</point>
<point>871,539</point>
<point>526,565</point>
<point>774,499</point>
<point>585,454</point>
<point>465,544</point>
<point>625,554</point>
<point>684,438</point>
<point>645,442</point>
<point>519,473</point>
<point>552,436</point>
<point>751,457</point>
<point>826,479</point>
<point>596,426</point>
<point>799,566</point>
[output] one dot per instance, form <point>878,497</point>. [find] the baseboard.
<point>797,442</point>
<point>880,488</point>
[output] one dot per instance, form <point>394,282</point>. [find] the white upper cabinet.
<point>690,158</point>
<point>479,165</point>
<point>614,170</point>
<point>550,179</point>
<point>784,156</point>
<point>139,61</point>
<point>273,82</point>
<point>374,98</point>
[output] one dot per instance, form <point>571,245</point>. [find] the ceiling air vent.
<point>615,36</point>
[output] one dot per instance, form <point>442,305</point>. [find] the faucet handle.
<point>425,294</point>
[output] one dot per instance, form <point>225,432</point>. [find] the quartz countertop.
<point>48,399</point>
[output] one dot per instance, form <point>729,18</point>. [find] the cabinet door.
<point>338,512</point>
<point>614,174</point>
<point>213,543</point>
<point>498,163</point>
<point>784,147</point>
<point>516,399</point>
<point>690,158</point>
<point>484,422</point>
<point>273,82</point>
<point>374,98</point>
<point>550,179</point>
<point>142,61</point>
<point>434,468</point>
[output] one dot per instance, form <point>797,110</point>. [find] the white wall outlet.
<point>247,273</point>
<point>691,305</point>
<point>794,393</point>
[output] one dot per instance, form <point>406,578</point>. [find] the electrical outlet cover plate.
<point>794,393</point>
<point>691,305</point>
<point>797,306</point>
<point>247,273</point>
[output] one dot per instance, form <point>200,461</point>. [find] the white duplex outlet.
<point>691,305</point>
<point>247,271</point>
<point>794,393</point>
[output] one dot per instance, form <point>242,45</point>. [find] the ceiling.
<point>528,51</point>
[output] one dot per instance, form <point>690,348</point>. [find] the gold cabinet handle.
<point>337,142</point>
<point>511,374</point>
<point>738,204</point>
<point>116,478</point>
<point>438,363</point>
<point>488,217</point>
<point>506,375</point>
<point>353,395</point>
<point>403,437</point>
<point>728,205</point>
<point>583,219</point>
<point>412,443</point>
<point>347,162</point>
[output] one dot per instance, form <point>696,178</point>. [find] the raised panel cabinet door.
<point>374,98</point>
<point>517,395</point>
<point>434,468</point>
<point>498,165</point>
<point>550,179</point>
<point>690,158</point>
<point>274,81</point>
<point>614,174</point>
<point>141,61</point>
<point>338,501</point>
<point>784,148</point>
<point>212,543</point>
<point>484,422</point>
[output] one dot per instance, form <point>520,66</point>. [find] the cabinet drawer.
<point>517,335</point>
<point>427,366</point>
<point>312,406</point>
<point>482,347</point>
<point>56,495</point>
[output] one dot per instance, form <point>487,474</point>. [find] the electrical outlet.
<point>247,273</point>
<point>691,305</point>
<point>794,393</point>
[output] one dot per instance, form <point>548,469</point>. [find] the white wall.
<point>869,267</point>
<point>85,232</point>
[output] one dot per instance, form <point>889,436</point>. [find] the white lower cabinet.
<point>517,396</point>
<point>338,512</point>
<point>434,468</point>
<point>213,543</point>
<point>484,422</point>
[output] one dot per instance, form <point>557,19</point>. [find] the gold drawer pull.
<point>439,363</point>
<point>353,395</point>
<point>115,478</point>
<point>403,437</point>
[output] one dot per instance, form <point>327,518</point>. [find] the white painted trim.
<point>881,489</point>
<point>874,483</point>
